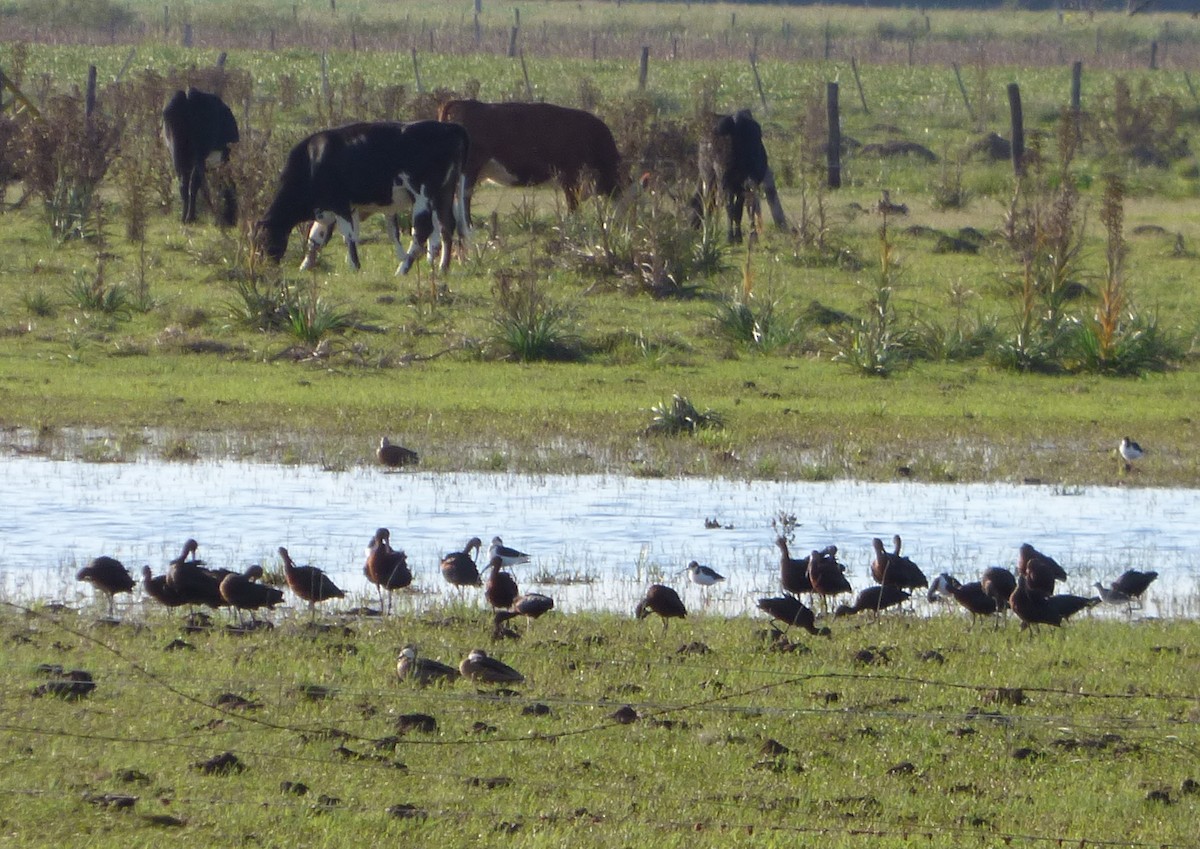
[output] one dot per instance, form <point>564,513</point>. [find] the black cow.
<point>732,160</point>
<point>341,175</point>
<point>199,128</point>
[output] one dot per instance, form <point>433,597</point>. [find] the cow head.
<point>270,239</point>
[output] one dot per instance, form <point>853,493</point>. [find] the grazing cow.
<point>732,160</point>
<point>527,144</point>
<point>199,128</point>
<point>341,175</point>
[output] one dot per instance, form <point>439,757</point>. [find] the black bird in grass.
<point>874,599</point>
<point>459,567</point>
<point>479,666</point>
<point>662,600</point>
<point>109,576</point>
<point>793,573</point>
<point>157,588</point>
<point>386,567</point>
<point>999,584</point>
<point>894,569</point>
<point>1133,583</point>
<point>1037,608</point>
<point>827,576</point>
<point>395,456</point>
<point>970,596</point>
<point>530,605</point>
<point>192,582</point>
<point>792,611</point>
<point>423,670</point>
<point>1040,571</point>
<point>500,589</point>
<point>308,582</point>
<point>243,592</point>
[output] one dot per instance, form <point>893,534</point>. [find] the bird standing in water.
<point>108,575</point>
<point>386,567</point>
<point>308,582</point>
<point>509,556</point>
<point>459,567</point>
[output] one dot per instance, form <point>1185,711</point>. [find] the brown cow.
<point>527,144</point>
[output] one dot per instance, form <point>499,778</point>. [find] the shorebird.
<point>1036,608</point>
<point>308,582</point>
<point>1130,451</point>
<point>876,598</point>
<point>386,567</point>
<point>157,588</point>
<point>510,556</point>
<point>500,590</point>
<point>109,576</point>
<point>827,576</point>
<point>793,611</point>
<point>971,596</point>
<point>999,584</point>
<point>395,456</point>
<point>423,670</point>
<point>894,569</point>
<point>1039,570</point>
<point>662,600</point>
<point>479,667</point>
<point>242,592</point>
<point>192,582</point>
<point>703,576</point>
<point>458,567</point>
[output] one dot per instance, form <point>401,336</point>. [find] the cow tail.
<point>460,210</point>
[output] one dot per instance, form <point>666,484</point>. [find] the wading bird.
<point>1133,583</point>
<point>874,599</point>
<point>459,568</point>
<point>530,605</point>
<point>792,611</point>
<point>793,574</point>
<point>1038,570</point>
<point>1130,451</point>
<point>500,589</point>
<point>192,582</point>
<point>827,576</point>
<point>510,556</point>
<point>109,576</point>
<point>386,567</point>
<point>703,576</point>
<point>662,600</point>
<point>243,592</point>
<point>999,584</point>
<point>309,582</point>
<point>157,588</point>
<point>971,596</point>
<point>894,569</point>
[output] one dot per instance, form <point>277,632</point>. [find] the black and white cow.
<point>733,160</point>
<point>199,128</point>
<point>341,175</point>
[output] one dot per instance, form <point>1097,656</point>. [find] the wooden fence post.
<point>963,89</point>
<point>1154,56</point>
<point>1018,129</point>
<point>828,41</point>
<point>862,97</point>
<point>89,100</point>
<point>643,67</point>
<point>762,97</point>
<point>525,74</point>
<point>833,152</point>
<point>166,20</point>
<point>417,72</point>
<point>512,42</point>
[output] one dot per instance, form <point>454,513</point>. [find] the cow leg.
<point>349,230</point>
<point>733,206</point>
<point>195,180</point>
<point>318,237</point>
<point>422,227</point>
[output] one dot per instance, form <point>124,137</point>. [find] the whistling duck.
<point>1133,583</point>
<point>395,456</point>
<point>999,584</point>
<point>510,556</point>
<point>479,667</point>
<point>242,592</point>
<point>826,576</point>
<point>662,600</point>
<point>423,670</point>
<point>530,605</point>
<point>793,574</point>
<point>875,599</point>
<point>1039,570</point>
<point>308,582</point>
<point>109,576</point>
<point>192,582</point>
<point>386,567</point>
<point>157,588</point>
<point>458,567</point>
<point>894,569</point>
<point>793,611</point>
<point>500,590</point>
<point>1130,451</point>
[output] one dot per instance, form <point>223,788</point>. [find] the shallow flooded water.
<point>618,533</point>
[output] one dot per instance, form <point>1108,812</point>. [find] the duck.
<point>157,588</point>
<point>876,598</point>
<point>422,670</point>
<point>395,456</point>
<point>459,568</point>
<point>478,666</point>
<point>500,589</point>
<point>662,600</point>
<point>308,582</point>
<point>793,573</point>
<point>1039,570</point>
<point>386,567</point>
<point>894,569</point>
<point>242,592</point>
<point>792,611</point>
<point>529,605</point>
<point>109,576</point>
<point>510,556</point>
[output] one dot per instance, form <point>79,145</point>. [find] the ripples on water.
<point>623,532</point>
